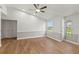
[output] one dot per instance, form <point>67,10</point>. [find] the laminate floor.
<point>41,45</point>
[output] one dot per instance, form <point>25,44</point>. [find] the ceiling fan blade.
<point>43,7</point>
<point>42,11</point>
<point>38,5</point>
<point>35,6</point>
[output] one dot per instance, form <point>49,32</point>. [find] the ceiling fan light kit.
<point>37,10</point>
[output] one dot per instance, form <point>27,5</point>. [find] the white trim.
<point>72,42</point>
<point>54,39</point>
<point>29,37</point>
<point>62,31</point>
<point>0,45</point>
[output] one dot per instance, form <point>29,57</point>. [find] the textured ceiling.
<point>53,10</point>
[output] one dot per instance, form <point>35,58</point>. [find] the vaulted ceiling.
<point>52,10</point>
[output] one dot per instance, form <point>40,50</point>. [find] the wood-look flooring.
<point>42,45</point>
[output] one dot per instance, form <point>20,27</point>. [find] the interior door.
<point>9,28</point>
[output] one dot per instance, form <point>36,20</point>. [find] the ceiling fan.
<point>39,9</point>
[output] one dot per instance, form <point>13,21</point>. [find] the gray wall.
<point>27,25</point>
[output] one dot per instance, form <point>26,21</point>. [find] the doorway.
<point>8,29</point>
<point>68,30</point>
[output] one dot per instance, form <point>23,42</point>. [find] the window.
<point>69,29</point>
<point>50,25</point>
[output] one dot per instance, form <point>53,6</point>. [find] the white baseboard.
<point>72,42</point>
<point>55,39</point>
<point>29,37</point>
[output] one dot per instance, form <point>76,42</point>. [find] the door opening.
<point>8,29</point>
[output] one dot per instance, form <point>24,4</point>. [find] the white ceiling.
<point>53,10</point>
